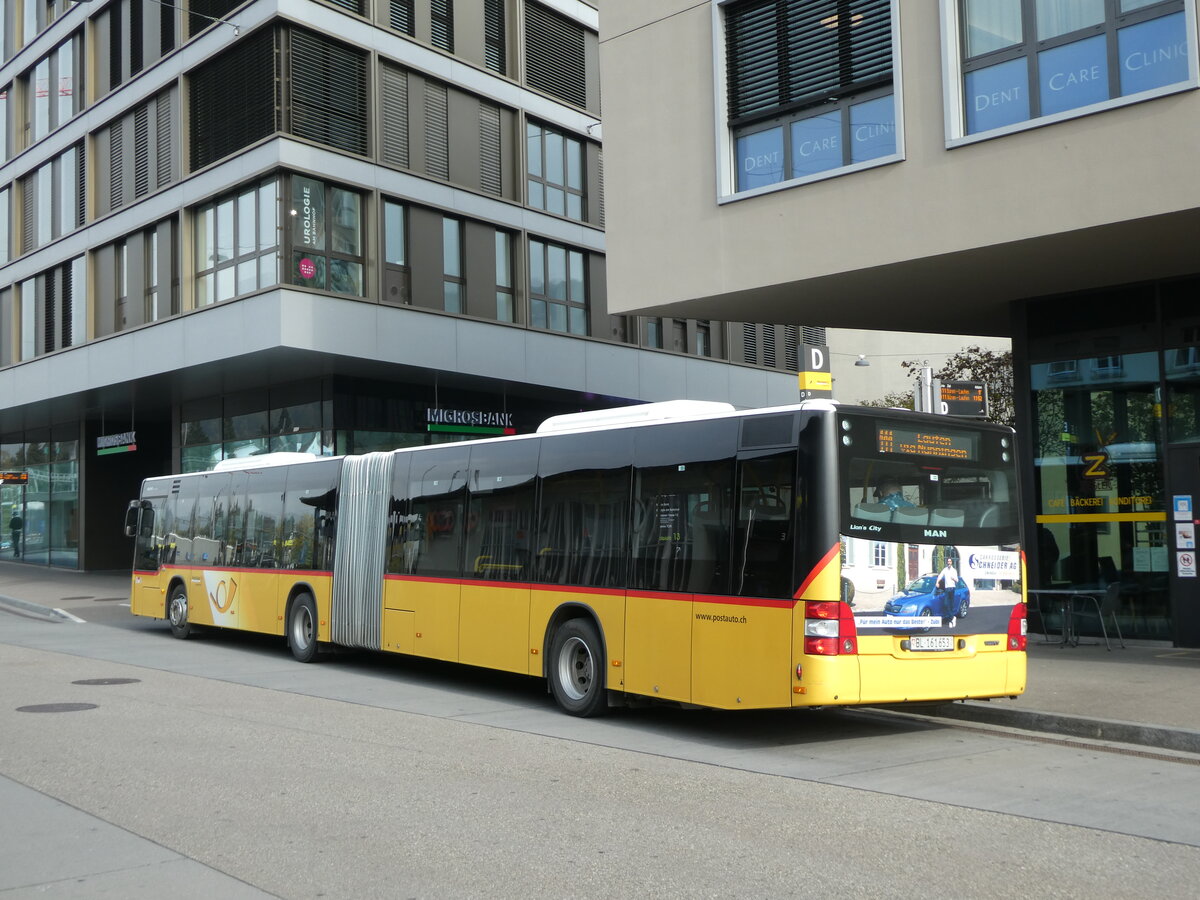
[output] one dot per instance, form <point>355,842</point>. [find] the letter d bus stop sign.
<point>963,398</point>
<point>815,378</point>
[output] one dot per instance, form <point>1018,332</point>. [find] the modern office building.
<point>233,228</point>
<point>1019,168</point>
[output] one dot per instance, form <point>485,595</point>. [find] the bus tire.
<point>302,628</point>
<point>177,613</point>
<point>576,669</point>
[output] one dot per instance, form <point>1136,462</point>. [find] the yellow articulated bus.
<point>809,555</point>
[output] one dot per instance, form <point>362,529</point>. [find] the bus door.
<point>742,646</point>
<point>499,530</point>
<point>683,484</point>
<point>145,520</point>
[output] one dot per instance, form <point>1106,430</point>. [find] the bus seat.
<point>876,512</point>
<point>947,515</point>
<point>912,515</point>
<point>990,517</point>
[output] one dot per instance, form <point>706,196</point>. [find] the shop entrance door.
<point>1183,519</point>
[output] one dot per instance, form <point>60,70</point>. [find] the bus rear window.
<point>926,492</point>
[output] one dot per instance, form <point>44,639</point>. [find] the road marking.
<point>67,615</point>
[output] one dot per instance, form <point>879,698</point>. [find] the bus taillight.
<point>829,629</point>
<point>1017,639</point>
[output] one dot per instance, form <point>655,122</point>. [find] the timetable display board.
<point>932,442</point>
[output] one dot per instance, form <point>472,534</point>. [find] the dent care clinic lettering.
<point>1144,59</point>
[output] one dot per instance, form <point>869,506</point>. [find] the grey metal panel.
<point>479,268</point>
<point>468,32</point>
<point>135,280</point>
<point>509,158</point>
<point>425,243</point>
<point>661,377</point>
<point>168,261</point>
<point>597,291</point>
<point>594,199</point>
<point>6,315</point>
<point>706,380</point>
<point>104,265</point>
<point>361,551</point>
<point>498,350</point>
<point>612,369</point>
<point>463,116</point>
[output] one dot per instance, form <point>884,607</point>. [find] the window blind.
<point>786,54</point>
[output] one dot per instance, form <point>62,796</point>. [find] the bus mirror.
<point>131,518</point>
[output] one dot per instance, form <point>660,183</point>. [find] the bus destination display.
<point>920,442</point>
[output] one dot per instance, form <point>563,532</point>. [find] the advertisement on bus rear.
<point>946,589</point>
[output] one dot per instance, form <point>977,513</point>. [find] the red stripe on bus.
<point>682,596</point>
<point>818,569</point>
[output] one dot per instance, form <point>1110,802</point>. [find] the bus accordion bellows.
<point>809,555</point>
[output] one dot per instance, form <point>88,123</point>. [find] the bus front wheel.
<point>576,669</point>
<point>302,628</point>
<point>177,613</point>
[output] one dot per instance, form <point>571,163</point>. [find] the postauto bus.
<point>684,552</point>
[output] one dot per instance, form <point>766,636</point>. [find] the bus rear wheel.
<point>177,613</point>
<point>576,669</point>
<point>302,628</point>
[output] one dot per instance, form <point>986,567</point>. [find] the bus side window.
<point>763,538</point>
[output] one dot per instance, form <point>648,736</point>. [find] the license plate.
<point>931,642</point>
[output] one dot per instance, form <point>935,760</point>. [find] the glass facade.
<point>1099,481</point>
<point>39,520</point>
<point>1113,450</point>
<point>1025,59</point>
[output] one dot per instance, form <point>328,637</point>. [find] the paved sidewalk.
<point>1144,694</point>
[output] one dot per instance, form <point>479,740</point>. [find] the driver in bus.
<point>889,493</point>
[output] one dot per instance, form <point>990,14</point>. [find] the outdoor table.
<point>1065,597</point>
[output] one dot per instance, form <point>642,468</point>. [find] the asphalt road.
<point>225,768</point>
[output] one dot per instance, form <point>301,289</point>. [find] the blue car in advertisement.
<point>921,599</point>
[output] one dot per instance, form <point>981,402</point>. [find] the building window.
<point>809,87</point>
<point>654,334</point>
<point>555,54</point>
<point>703,340</point>
<point>1022,60</point>
<point>400,16</point>
<point>237,244</point>
<point>397,276</point>
<point>555,177</point>
<point>557,288</point>
<point>453,284</point>
<point>441,23</point>
<point>505,304</point>
<point>495,46</point>
<point>327,83</point>
<point>879,554</point>
<point>50,198</point>
<point>234,97</point>
<point>326,232</point>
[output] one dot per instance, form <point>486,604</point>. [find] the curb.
<point>1159,736</point>
<point>35,609</point>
